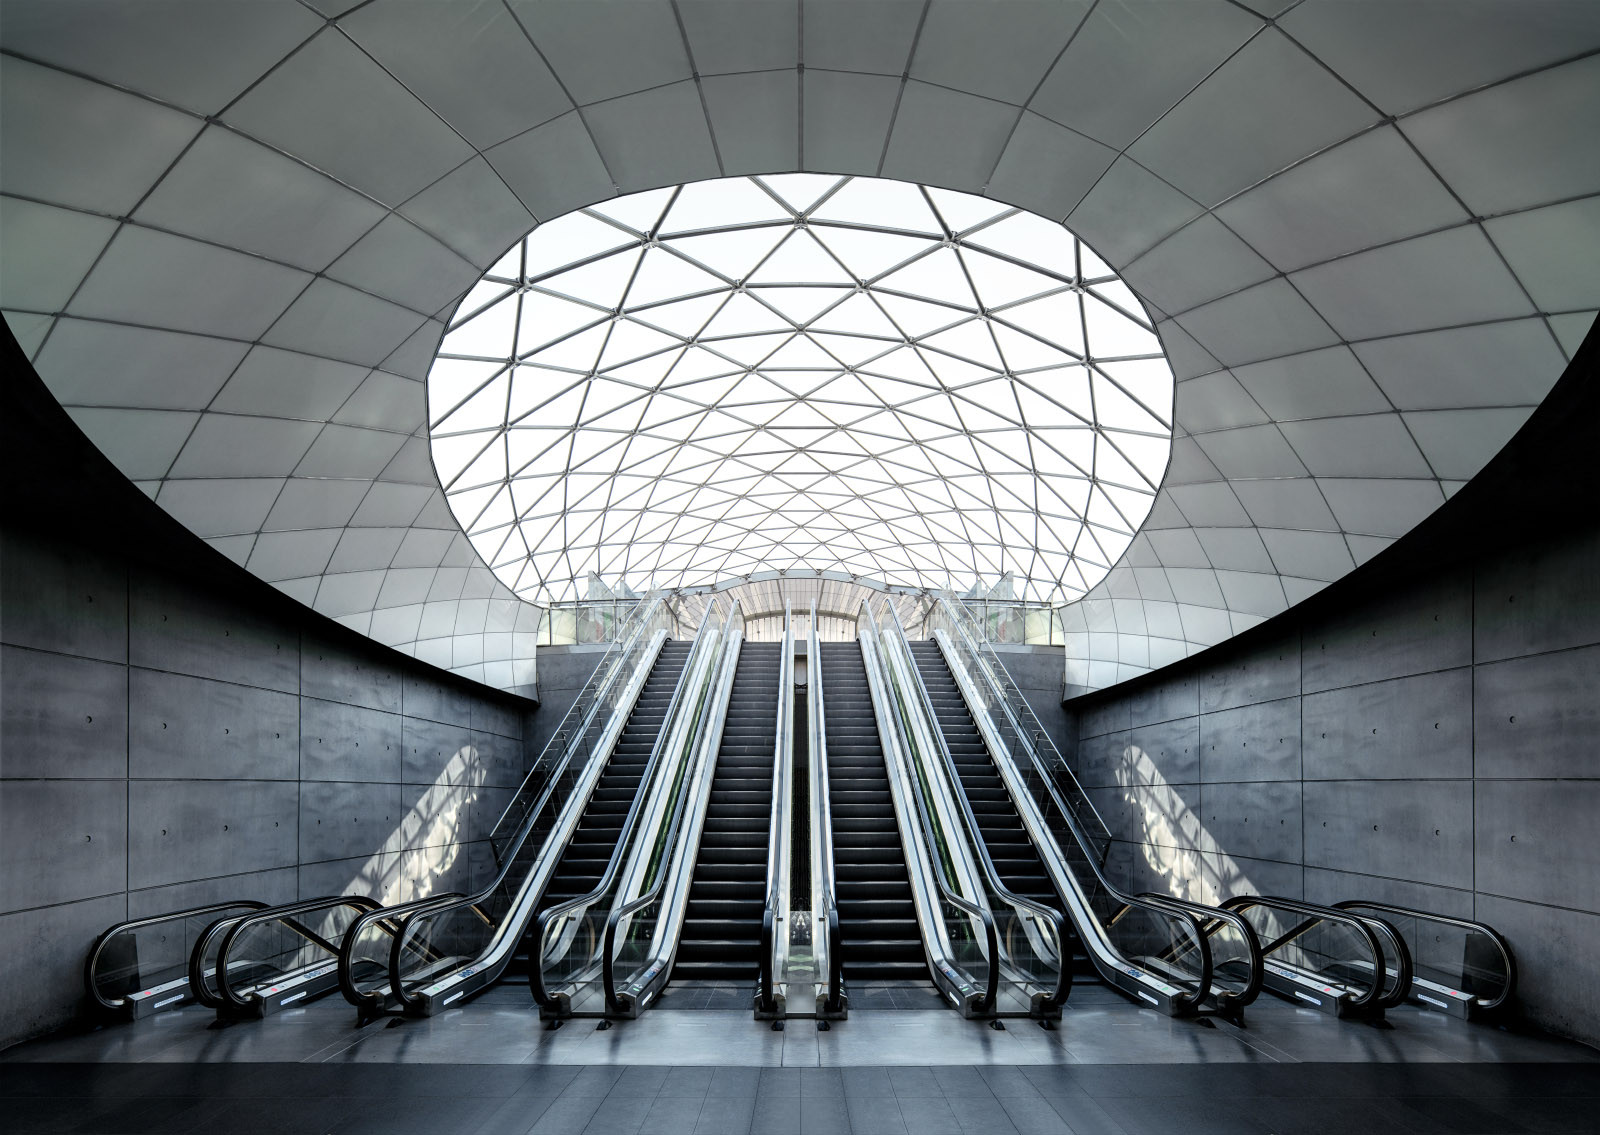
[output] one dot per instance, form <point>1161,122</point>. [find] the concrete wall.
<point>164,744</point>
<point>1434,744</point>
<point>1038,672</point>
<point>563,671</point>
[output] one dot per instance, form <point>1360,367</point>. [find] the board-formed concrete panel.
<point>1404,829</point>
<point>191,728</point>
<point>376,876</point>
<point>436,701</point>
<point>1258,820</point>
<point>1539,840</point>
<point>61,717</point>
<point>1253,742</point>
<point>436,753</point>
<point>275,886</point>
<point>1105,760</point>
<point>1538,716</point>
<point>1541,598</point>
<point>194,829</point>
<point>61,840</point>
<point>1167,752</point>
<point>1404,728</point>
<point>1264,673</point>
<point>349,742</point>
<point>55,941</point>
<point>1165,701</point>
<point>1555,986</point>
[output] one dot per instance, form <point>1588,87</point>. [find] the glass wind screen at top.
<point>800,374</point>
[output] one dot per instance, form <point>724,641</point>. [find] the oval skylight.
<point>801,374</point>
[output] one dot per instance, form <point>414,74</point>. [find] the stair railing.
<point>775,912</point>
<point>827,959</point>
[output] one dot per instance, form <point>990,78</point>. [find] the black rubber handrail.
<point>389,918</point>
<point>1374,999</point>
<point>782,808</point>
<point>92,962</point>
<point>1489,932</point>
<point>289,915</point>
<point>991,992</point>
<point>202,989</point>
<point>823,812</point>
<point>1211,919</point>
<point>991,874</point>
<point>608,878</point>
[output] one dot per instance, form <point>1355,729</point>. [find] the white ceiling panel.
<point>424,547</point>
<point>1266,107</point>
<point>1317,384</point>
<point>656,138</point>
<point>1254,451</point>
<point>1236,549</point>
<point>331,105</point>
<point>197,54</point>
<point>384,401</point>
<point>1376,444</point>
<point>1252,593</point>
<point>87,363</point>
<point>1555,252</point>
<point>278,556</point>
<point>1128,211</point>
<point>1216,402</point>
<point>743,108</point>
<point>847,119</point>
<point>1179,548</point>
<point>141,443</point>
<point>472,211</point>
<point>160,280</point>
<point>1209,506</point>
<point>1131,62</point>
<point>469,61</point>
<point>1380,507</point>
<point>28,329</point>
<point>1188,358</point>
<point>1513,363</point>
<point>389,505</point>
<point>731,35</point>
<point>1460,442</point>
<point>1403,54</point>
<point>339,322</point>
<point>963,46</point>
<point>1286,503</point>
<point>284,384</point>
<point>946,137</point>
<point>1370,190</point>
<point>860,37</point>
<point>234,506</point>
<point>1048,169</point>
<point>349,593</point>
<point>1311,555</point>
<point>228,445</point>
<point>640,46</point>
<point>1441,280</point>
<point>1570,329</point>
<point>400,262</point>
<point>365,549</point>
<point>48,251</point>
<point>80,144</point>
<point>1519,144</point>
<point>347,451</point>
<point>1261,322</point>
<point>554,168</point>
<point>235,192</point>
<point>314,504</point>
<point>1200,262</point>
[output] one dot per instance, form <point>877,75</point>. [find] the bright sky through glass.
<point>800,373</point>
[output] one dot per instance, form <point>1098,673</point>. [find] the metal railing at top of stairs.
<point>828,962</point>
<point>1032,936</point>
<point>642,933</point>
<point>445,951</point>
<point>1157,952</point>
<point>958,934</point>
<point>775,911</point>
<point>566,940</point>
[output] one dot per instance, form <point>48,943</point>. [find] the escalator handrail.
<point>618,650</point>
<point>541,920</point>
<point>199,987</point>
<point>1212,919</point>
<point>289,914</point>
<point>1311,914</point>
<point>472,901</point>
<point>1489,932</point>
<point>991,874</point>
<point>991,988</point>
<point>781,829</point>
<point>92,962</point>
<point>822,817</point>
<point>391,918</point>
<point>720,686</point>
<point>1086,844</point>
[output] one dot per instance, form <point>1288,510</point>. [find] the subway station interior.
<point>773,566</point>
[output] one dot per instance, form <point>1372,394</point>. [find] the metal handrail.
<point>700,750</point>
<point>824,902</point>
<point>92,962</point>
<point>1495,938</point>
<point>391,920</point>
<point>1211,920</point>
<point>223,932</point>
<point>542,920</point>
<point>991,874</point>
<point>929,830</point>
<point>603,685</point>
<point>774,947</point>
<point>1374,999</point>
<point>1113,965</point>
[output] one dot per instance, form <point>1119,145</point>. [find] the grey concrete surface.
<point>165,744</point>
<point>1433,746</point>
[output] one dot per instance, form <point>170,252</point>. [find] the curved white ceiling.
<point>797,373</point>
<point>231,233</point>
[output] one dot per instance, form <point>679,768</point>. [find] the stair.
<point>721,935</point>
<point>878,935</point>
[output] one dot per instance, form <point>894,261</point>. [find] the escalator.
<point>600,830</point>
<point>878,935</point>
<point>721,934</point>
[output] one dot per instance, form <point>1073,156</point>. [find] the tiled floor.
<point>1110,1066</point>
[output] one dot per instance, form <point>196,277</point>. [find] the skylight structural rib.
<point>800,374</point>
